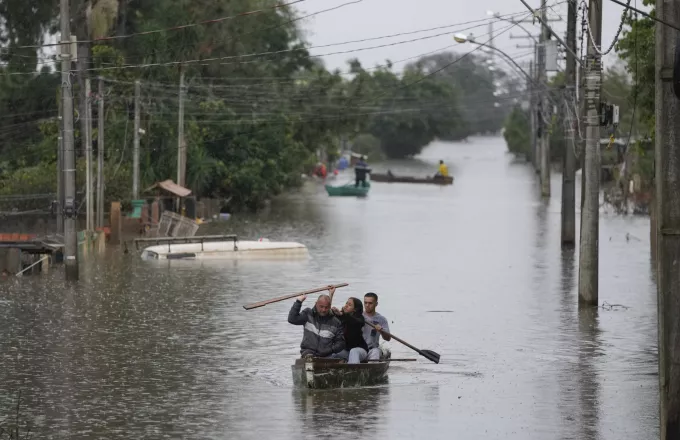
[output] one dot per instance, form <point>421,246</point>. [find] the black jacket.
<point>323,335</point>
<point>353,331</point>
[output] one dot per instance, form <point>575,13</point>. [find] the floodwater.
<point>473,271</point>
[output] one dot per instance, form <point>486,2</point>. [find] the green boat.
<point>348,190</point>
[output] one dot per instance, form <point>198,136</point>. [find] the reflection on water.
<point>589,356</point>
<point>352,412</point>
<point>165,349</point>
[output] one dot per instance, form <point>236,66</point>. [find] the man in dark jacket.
<point>323,333</point>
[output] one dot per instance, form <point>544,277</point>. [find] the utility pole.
<point>569,159</point>
<point>668,217</point>
<point>135,157</point>
<point>533,90</point>
<point>545,135</point>
<point>88,156</point>
<point>532,111</point>
<point>590,213</point>
<point>181,145</point>
<point>100,155</point>
<point>60,168</point>
<point>491,42</point>
<point>70,236</point>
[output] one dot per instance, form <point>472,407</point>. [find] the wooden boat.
<point>391,178</point>
<point>336,373</point>
<point>349,190</point>
<point>220,247</point>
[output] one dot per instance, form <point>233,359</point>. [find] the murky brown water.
<point>473,271</point>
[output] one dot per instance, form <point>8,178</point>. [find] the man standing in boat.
<point>323,332</point>
<point>360,171</point>
<point>372,335</point>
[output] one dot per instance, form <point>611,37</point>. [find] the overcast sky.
<point>376,18</point>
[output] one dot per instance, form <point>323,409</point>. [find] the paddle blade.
<point>430,355</point>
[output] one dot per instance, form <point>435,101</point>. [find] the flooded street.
<point>473,271</point>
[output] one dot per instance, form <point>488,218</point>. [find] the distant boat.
<point>391,178</point>
<point>349,190</point>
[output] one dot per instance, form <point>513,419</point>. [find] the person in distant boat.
<point>372,335</point>
<point>320,170</point>
<point>352,318</point>
<point>323,333</point>
<point>443,170</point>
<point>360,171</point>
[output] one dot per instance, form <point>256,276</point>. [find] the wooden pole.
<point>668,219</point>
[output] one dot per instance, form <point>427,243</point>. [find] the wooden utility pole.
<point>590,214</point>
<point>569,158</point>
<point>89,199</point>
<point>70,235</point>
<point>100,155</point>
<point>135,156</point>
<point>181,144</point>
<point>668,218</point>
<point>545,135</point>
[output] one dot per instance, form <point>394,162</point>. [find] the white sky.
<point>375,18</point>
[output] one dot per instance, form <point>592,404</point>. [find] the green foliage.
<point>636,48</point>
<point>517,132</point>
<point>252,123</point>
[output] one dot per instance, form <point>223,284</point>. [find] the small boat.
<point>336,373</point>
<point>391,178</point>
<point>348,190</point>
<point>230,249</point>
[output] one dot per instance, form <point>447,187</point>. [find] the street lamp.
<point>460,38</point>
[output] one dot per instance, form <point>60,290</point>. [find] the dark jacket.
<point>361,169</point>
<point>353,330</point>
<point>323,335</point>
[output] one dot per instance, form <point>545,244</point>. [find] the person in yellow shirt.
<point>443,169</point>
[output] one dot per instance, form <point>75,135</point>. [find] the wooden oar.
<point>292,295</point>
<point>428,354</point>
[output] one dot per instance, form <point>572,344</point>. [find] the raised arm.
<point>296,317</point>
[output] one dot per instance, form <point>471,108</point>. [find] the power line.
<point>658,20</point>
<point>174,28</point>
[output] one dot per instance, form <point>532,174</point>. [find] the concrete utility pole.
<point>89,199</point>
<point>70,235</point>
<point>100,156</point>
<point>60,168</point>
<point>181,147</point>
<point>569,159</point>
<point>135,156</point>
<point>532,111</point>
<point>545,104</point>
<point>668,218</point>
<point>590,214</point>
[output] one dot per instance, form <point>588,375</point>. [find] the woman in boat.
<point>352,318</point>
